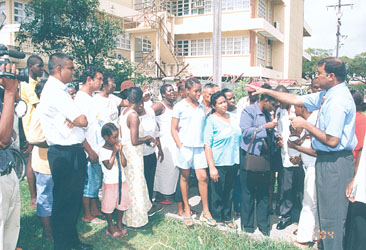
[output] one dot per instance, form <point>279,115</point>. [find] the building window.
<point>180,8</point>
<point>182,47</point>
<point>261,50</point>
<point>235,45</point>
<point>196,7</point>
<point>201,47</point>
<point>123,41</point>
<point>269,53</point>
<point>2,8</point>
<point>146,45</point>
<point>269,14</point>
<point>19,12</point>
<point>118,56</point>
<point>228,5</point>
<point>262,9</point>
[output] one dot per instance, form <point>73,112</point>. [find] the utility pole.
<point>216,42</point>
<point>339,15</point>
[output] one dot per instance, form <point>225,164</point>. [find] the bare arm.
<point>91,153</point>
<point>80,121</point>
<point>160,150</point>
<point>214,174</point>
<point>331,141</point>
<point>174,132</point>
<point>7,115</point>
<point>158,108</point>
<point>349,188</point>
<point>309,151</point>
<point>109,163</point>
<point>133,123</point>
<point>281,96</point>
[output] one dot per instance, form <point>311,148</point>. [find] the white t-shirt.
<point>149,127</point>
<point>87,106</point>
<point>309,160</point>
<point>191,121</point>
<point>107,108</point>
<point>283,128</point>
<point>110,176</point>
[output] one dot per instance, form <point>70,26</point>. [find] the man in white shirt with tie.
<point>62,123</point>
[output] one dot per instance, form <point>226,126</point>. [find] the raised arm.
<point>7,115</point>
<point>281,96</point>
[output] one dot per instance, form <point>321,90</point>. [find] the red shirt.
<point>360,129</point>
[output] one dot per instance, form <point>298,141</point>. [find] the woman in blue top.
<point>221,139</point>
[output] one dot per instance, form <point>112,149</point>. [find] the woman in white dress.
<point>137,214</point>
<point>167,173</point>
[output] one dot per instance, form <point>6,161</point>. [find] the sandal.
<point>96,221</point>
<point>116,235</point>
<point>123,232</point>
<point>230,224</point>
<point>166,202</point>
<point>188,221</point>
<point>209,221</point>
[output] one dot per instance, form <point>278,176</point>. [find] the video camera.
<point>23,72</point>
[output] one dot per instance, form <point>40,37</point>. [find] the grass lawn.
<point>160,233</point>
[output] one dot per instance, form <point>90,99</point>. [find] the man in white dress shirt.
<point>62,123</point>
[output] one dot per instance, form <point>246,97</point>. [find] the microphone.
<point>16,54</point>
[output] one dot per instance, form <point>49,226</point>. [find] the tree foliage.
<point>76,27</point>
<point>79,28</point>
<point>356,67</point>
<point>239,90</point>
<point>309,68</point>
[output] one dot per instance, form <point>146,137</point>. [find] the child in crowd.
<point>115,190</point>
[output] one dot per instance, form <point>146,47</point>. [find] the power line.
<point>339,15</point>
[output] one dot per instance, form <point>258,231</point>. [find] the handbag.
<point>256,163</point>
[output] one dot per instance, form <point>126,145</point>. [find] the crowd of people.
<point>139,155</point>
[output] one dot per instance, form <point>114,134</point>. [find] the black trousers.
<point>288,192</point>
<point>254,187</point>
<point>68,168</point>
<point>356,228</point>
<point>221,193</point>
<point>150,162</point>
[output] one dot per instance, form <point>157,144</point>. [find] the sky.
<point>323,23</point>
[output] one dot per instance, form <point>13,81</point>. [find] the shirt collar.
<point>32,81</point>
<point>335,88</point>
<point>57,83</point>
<point>257,108</point>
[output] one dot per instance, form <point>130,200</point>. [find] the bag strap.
<point>119,178</point>
<point>252,140</point>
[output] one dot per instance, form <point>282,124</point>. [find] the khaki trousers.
<point>9,211</point>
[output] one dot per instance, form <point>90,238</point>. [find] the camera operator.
<point>9,185</point>
<point>35,68</point>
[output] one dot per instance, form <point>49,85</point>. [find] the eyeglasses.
<point>319,73</point>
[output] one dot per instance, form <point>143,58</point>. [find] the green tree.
<point>356,67</point>
<point>309,68</point>
<point>79,28</point>
<point>239,90</point>
<point>76,27</point>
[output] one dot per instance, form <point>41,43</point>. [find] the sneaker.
<point>154,209</point>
